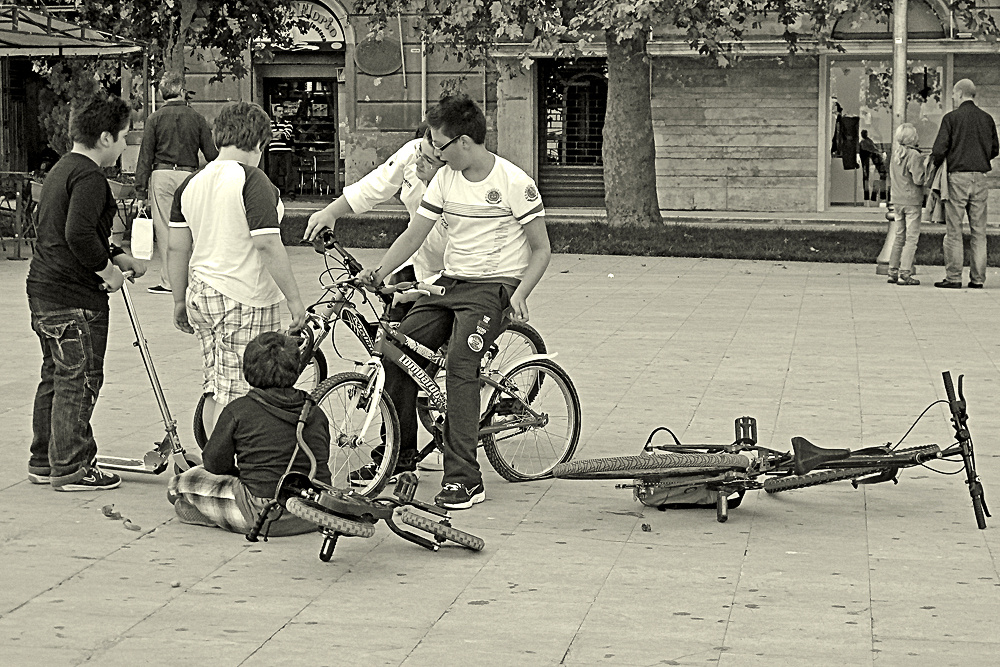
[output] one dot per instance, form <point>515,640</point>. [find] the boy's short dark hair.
<point>98,113</point>
<point>271,360</point>
<point>456,115</point>
<point>244,125</point>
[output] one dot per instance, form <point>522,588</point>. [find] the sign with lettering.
<point>324,31</point>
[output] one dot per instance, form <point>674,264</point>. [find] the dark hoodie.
<point>255,436</point>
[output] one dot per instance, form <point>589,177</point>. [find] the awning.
<point>36,32</point>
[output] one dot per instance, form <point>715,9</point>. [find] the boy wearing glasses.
<point>497,250</point>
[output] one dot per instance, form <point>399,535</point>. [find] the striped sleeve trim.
<point>264,230</point>
<point>436,210</point>
<point>538,210</point>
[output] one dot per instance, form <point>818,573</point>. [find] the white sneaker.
<point>433,461</point>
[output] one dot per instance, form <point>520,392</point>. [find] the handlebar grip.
<point>436,290</point>
<point>949,387</point>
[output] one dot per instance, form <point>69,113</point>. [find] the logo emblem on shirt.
<point>476,343</point>
<point>531,193</point>
<point>493,196</point>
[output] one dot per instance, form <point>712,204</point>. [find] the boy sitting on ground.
<point>252,445</point>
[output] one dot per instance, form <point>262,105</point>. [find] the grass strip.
<point>679,240</point>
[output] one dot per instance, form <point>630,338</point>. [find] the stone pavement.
<point>884,575</point>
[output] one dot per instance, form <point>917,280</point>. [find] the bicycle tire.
<point>314,373</point>
<point>778,484</point>
<point>312,512</point>
<point>531,453</point>
<point>518,340</point>
<point>442,532</point>
<point>338,397</point>
<point>654,465</point>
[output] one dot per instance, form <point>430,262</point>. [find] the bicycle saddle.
<point>809,457</point>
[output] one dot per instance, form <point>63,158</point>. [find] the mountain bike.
<point>662,474</point>
<point>518,341</point>
<point>529,421</point>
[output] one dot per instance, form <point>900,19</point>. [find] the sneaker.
<point>893,276</point>
<point>158,289</point>
<point>460,497</point>
<point>35,478</point>
<point>908,280</point>
<point>366,473</point>
<point>433,462</point>
<point>95,480</point>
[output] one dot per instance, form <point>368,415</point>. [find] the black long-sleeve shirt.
<point>967,138</point>
<point>174,134</point>
<point>258,431</point>
<point>75,214</point>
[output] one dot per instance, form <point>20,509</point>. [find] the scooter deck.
<point>153,463</point>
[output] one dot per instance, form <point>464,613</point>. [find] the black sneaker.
<point>364,475</point>
<point>95,480</point>
<point>36,478</point>
<point>460,497</point>
<point>158,289</point>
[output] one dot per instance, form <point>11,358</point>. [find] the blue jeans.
<point>967,194</point>
<point>73,341</point>
<point>904,246</point>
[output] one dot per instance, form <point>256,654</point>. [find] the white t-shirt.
<point>399,174</point>
<point>484,220</point>
<point>226,204</point>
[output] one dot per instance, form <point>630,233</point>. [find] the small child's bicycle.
<point>346,513</point>
<point>668,475</point>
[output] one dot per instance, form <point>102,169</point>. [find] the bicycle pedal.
<point>406,486</point>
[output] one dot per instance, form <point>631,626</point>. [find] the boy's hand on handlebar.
<point>318,221</point>
<point>370,278</point>
<point>298,313</point>
<point>127,263</point>
<point>181,318</point>
<point>114,282</point>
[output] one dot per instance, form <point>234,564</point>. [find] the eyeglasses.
<point>440,149</point>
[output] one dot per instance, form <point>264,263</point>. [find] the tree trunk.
<point>629,151</point>
<point>174,60</point>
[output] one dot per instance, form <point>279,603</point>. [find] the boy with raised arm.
<point>496,252</point>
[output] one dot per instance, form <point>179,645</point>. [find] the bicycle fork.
<point>371,395</point>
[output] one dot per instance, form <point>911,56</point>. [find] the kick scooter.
<point>169,449</point>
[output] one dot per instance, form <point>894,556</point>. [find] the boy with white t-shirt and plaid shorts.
<point>497,250</point>
<point>225,234</point>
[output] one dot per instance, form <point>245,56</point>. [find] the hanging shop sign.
<point>324,31</point>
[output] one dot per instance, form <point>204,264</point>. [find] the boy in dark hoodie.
<point>251,446</point>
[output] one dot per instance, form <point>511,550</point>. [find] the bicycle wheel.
<point>656,465</point>
<point>778,484</point>
<point>314,372</point>
<point>442,532</point>
<point>517,341</point>
<point>346,401</point>
<point>537,413</point>
<point>318,515</point>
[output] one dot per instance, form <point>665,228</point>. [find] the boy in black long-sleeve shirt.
<point>252,444</point>
<point>73,268</point>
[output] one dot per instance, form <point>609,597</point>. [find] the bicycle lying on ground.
<point>337,305</point>
<point>346,513</point>
<point>667,474</point>
<point>530,417</point>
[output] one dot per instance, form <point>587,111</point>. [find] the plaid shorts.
<point>223,501</point>
<point>225,327</point>
<point>218,497</point>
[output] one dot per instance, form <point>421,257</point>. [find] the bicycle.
<point>530,419</point>
<point>346,513</point>
<point>519,340</point>
<point>724,470</point>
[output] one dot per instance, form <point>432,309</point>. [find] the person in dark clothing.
<point>252,445</point>
<point>967,140</point>
<point>173,135</point>
<point>73,268</point>
<point>280,156</point>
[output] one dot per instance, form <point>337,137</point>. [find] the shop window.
<point>574,95</point>
<point>311,106</point>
